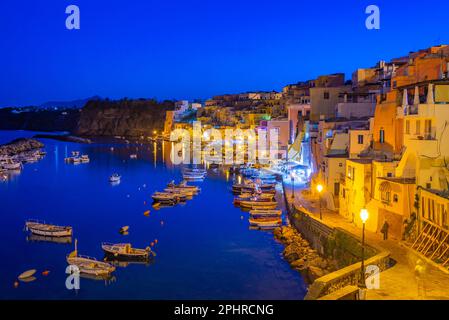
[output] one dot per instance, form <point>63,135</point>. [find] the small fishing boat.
<point>264,205</point>
<point>254,198</point>
<point>47,230</point>
<point>183,185</point>
<point>115,177</point>
<point>75,153</point>
<point>183,196</point>
<point>84,158</point>
<point>165,197</point>
<point>124,229</point>
<point>265,223</point>
<point>193,176</point>
<point>133,156</point>
<point>88,265</point>
<point>265,213</point>
<point>126,251</point>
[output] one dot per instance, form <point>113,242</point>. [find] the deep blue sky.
<point>195,49</point>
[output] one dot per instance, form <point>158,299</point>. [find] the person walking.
<point>384,229</point>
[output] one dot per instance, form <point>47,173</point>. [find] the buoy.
<point>45,273</point>
<point>146,213</point>
<point>162,222</point>
<point>152,244</point>
<point>155,241</point>
<point>16,284</point>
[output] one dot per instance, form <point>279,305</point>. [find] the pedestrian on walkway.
<point>384,229</point>
<point>420,270</point>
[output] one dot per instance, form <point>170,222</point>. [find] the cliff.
<point>122,117</point>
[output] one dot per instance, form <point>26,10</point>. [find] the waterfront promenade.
<point>399,281</point>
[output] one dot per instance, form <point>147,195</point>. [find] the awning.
<point>385,187</point>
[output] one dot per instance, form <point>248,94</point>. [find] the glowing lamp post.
<point>319,188</point>
<point>362,283</point>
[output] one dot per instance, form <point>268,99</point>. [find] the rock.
<point>19,145</point>
<point>315,273</point>
<point>298,264</point>
<point>292,252</point>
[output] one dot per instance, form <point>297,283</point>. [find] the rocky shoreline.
<point>19,146</point>
<point>301,256</point>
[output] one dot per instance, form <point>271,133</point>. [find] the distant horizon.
<point>195,50</point>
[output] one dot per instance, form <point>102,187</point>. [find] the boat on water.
<point>47,230</point>
<point>115,177</point>
<point>265,205</point>
<point>165,197</point>
<point>265,223</point>
<point>255,198</point>
<point>191,176</point>
<point>88,265</point>
<point>258,213</point>
<point>75,153</point>
<point>126,251</point>
<point>183,185</point>
<point>84,158</point>
<point>133,156</point>
<point>182,195</point>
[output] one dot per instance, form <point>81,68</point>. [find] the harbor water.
<point>205,248</point>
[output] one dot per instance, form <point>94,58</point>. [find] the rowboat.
<point>165,197</point>
<point>183,185</point>
<point>265,213</point>
<point>260,198</point>
<point>84,158</point>
<point>115,177</point>
<point>126,251</point>
<point>47,230</point>
<point>265,223</point>
<point>88,265</point>
<point>265,205</point>
<point>27,274</point>
<point>193,176</point>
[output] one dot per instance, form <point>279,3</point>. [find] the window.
<point>407,127</point>
<point>340,164</point>
<point>326,95</point>
<point>385,196</point>
<point>395,198</point>
<point>418,127</point>
<point>360,139</point>
<point>382,136</point>
<point>389,174</point>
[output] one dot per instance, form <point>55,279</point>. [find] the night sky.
<point>187,49</point>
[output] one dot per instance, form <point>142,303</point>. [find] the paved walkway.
<point>398,282</point>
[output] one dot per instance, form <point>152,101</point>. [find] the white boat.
<point>266,205</point>
<point>265,222</point>
<point>75,153</point>
<point>47,230</point>
<point>126,251</point>
<point>265,213</point>
<point>133,156</point>
<point>88,265</point>
<point>85,158</point>
<point>115,178</point>
<point>193,176</point>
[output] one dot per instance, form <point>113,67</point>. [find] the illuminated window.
<point>360,139</point>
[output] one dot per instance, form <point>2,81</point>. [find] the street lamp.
<point>319,188</point>
<point>362,283</point>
